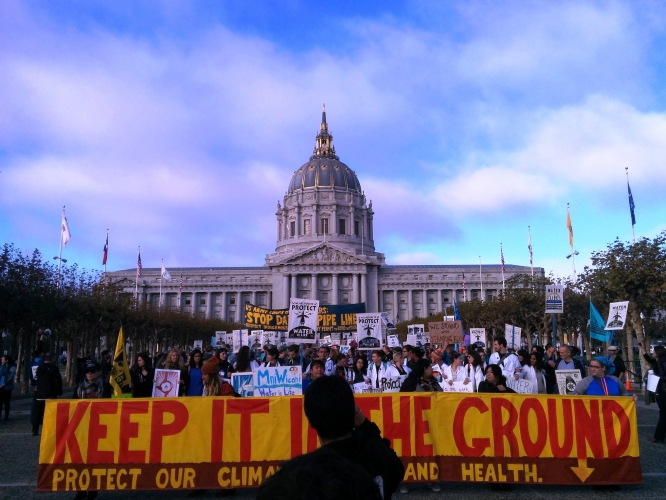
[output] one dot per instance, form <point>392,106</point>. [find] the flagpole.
<point>529,239</point>
<point>481,278</point>
<point>136,288</point>
<point>573,253</point>
<point>161,279</point>
<point>62,229</point>
<point>502,254</point>
<point>107,248</point>
<point>633,236</point>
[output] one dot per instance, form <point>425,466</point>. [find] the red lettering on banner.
<point>553,433</point>
<point>533,448</point>
<point>159,430</point>
<point>97,431</point>
<point>610,408</point>
<point>296,423</point>
<point>245,408</point>
<point>65,428</point>
<point>479,445</point>
<point>421,427</point>
<point>588,429</point>
<point>130,430</point>
<point>401,430</point>
<point>217,430</point>
<point>504,430</point>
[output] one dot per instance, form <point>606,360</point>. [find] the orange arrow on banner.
<point>582,471</point>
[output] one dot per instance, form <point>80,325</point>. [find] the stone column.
<point>381,300</point>
<point>439,301</point>
<point>364,290</point>
<point>396,307</point>
<point>313,287</point>
<point>209,305</point>
<point>334,299</point>
<point>223,311</point>
<point>193,303</point>
<point>240,307</point>
<point>254,298</point>
<point>372,288</point>
<point>294,287</point>
<point>355,288</point>
<point>410,304</point>
<point>285,290</point>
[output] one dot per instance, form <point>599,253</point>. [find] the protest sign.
<point>330,318</point>
<point>426,338</point>
<point>554,299</point>
<point>617,315</point>
<point>446,332</point>
<point>392,384</point>
<point>456,386</point>
<point>243,383</point>
<point>411,339</point>
<point>361,387</point>
<point>369,331</point>
<point>336,338</point>
<point>165,383</point>
<point>393,341</point>
<point>521,386</point>
<point>325,340</point>
<point>302,325</point>
<point>567,380</point>
<point>512,336</point>
<point>255,339</point>
<point>388,322</point>
<point>112,444</point>
<point>198,344</point>
<point>278,381</point>
<point>239,339</point>
<point>219,339</point>
<point>344,350</point>
<point>477,335</point>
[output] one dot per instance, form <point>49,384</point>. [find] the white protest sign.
<point>393,341</point>
<point>554,299</point>
<point>617,315</point>
<point>326,340</point>
<point>521,386</point>
<point>477,335</point>
<point>567,380</point>
<point>386,319</point>
<point>303,318</point>
<point>411,339</point>
<point>220,338</point>
<point>269,338</point>
<point>336,338</point>
<point>652,382</point>
<point>165,383</point>
<point>392,384</point>
<point>512,336</point>
<point>243,383</point>
<point>369,331</point>
<point>239,339</point>
<point>230,339</point>
<point>457,386</point>
<point>426,338</point>
<point>254,339</point>
<point>198,344</point>
<point>361,387</point>
<point>278,381</point>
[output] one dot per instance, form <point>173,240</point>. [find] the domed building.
<point>325,250</point>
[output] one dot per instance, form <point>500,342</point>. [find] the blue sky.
<point>178,125</point>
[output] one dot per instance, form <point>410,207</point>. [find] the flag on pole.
<point>138,266</point>
<point>631,205</point>
<point>569,227</point>
<point>502,257</point>
<point>180,285</point>
<point>529,244</point>
<point>597,325</point>
<point>456,313</point>
<point>66,235</point>
<point>120,376</point>
<point>165,273</point>
<point>463,281</point>
<point>106,250</point>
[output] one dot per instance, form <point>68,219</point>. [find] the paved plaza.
<point>19,451</point>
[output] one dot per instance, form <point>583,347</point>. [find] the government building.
<point>325,250</point>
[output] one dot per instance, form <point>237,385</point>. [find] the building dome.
<point>324,168</point>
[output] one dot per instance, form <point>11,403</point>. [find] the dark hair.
<point>147,360</point>
<point>293,348</point>
<point>476,357</point>
<point>659,351</point>
<point>379,353</point>
<point>48,356</point>
<point>365,365</point>
<point>501,341</point>
<point>328,349</point>
<point>243,360</point>
<point>418,352</point>
<point>329,406</point>
<point>318,362</point>
<point>10,360</point>
<point>525,355</point>
<point>539,360</point>
<point>497,371</point>
<point>323,474</point>
<point>273,351</point>
<point>192,363</point>
<point>454,355</point>
<point>408,347</point>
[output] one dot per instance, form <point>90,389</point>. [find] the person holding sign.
<point>535,373</point>
<point>272,354</point>
<point>456,372</point>
<point>378,370</point>
<point>173,361</point>
<point>213,385</point>
<point>360,369</point>
<point>568,362</point>
<point>474,368</point>
<point>601,381</point>
<point>398,364</point>
<point>508,363</point>
<point>658,364</point>
<point>495,381</point>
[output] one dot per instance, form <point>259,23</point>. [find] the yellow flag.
<point>570,228</point>
<point>120,376</point>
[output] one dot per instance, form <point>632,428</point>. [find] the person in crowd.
<point>524,359</point>
<point>341,366</point>
<point>49,386</point>
<point>244,362</point>
<point>324,353</point>
<point>407,350</point>
<point>377,370</point>
<point>508,362</point>
<point>360,369</point>
<point>474,368</point>
<point>388,355</point>
<point>398,364</point>
<point>106,361</point>
<point>463,354</point>
<point>272,356</point>
<point>447,351</point>
<point>567,362</point>
<point>317,368</point>
<point>436,356</point>
<point>535,373</point>
<point>94,386</point>
<point>212,383</point>
<point>294,358</point>
<point>223,364</point>
<point>658,364</point>
<point>615,357</point>
<point>601,381</point>
<point>7,377</point>
<point>495,381</point>
<point>173,361</point>
<point>142,377</point>
<point>549,366</point>
<point>456,371</point>
<point>194,374</point>
<point>482,355</point>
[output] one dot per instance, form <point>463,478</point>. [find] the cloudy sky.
<point>178,125</point>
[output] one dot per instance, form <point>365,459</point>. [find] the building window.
<point>187,302</point>
<point>202,301</point>
<point>307,227</point>
<point>292,228</point>
<point>356,231</point>
<point>341,226</point>
<point>232,300</point>
<point>324,226</point>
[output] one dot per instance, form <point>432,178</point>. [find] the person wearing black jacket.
<point>49,386</point>
<point>142,377</point>
<point>658,364</point>
<point>342,428</point>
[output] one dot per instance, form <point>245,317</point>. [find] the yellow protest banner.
<point>120,376</point>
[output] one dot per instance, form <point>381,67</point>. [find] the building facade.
<point>325,250</point>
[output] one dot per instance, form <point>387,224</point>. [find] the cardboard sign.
<point>303,319</point>
<point>165,384</point>
<point>457,386</point>
<point>567,380</point>
<point>393,341</point>
<point>554,299</point>
<point>369,331</point>
<point>477,335</point>
<point>392,384</point>
<point>617,316</point>
<point>278,381</point>
<point>446,332</point>
<point>243,384</point>
<point>521,386</point>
